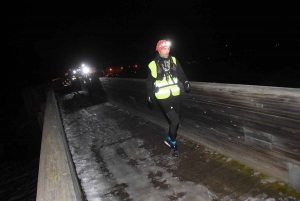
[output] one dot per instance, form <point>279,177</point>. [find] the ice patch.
<point>269,199</point>
<point>229,159</point>
<point>268,180</point>
<point>256,173</point>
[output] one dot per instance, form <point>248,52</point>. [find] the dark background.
<point>238,42</point>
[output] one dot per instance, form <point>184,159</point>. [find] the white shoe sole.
<point>167,144</point>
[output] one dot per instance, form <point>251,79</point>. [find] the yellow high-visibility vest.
<point>165,88</point>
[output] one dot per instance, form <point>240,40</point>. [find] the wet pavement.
<point>121,156</point>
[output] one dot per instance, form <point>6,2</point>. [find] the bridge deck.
<point>121,156</point>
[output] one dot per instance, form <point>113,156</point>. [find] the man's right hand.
<point>150,102</point>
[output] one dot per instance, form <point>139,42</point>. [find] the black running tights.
<point>171,107</point>
<point>174,123</point>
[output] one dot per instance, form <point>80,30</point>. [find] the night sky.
<point>238,42</point>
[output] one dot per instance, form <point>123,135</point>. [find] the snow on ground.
<point>95,141</point>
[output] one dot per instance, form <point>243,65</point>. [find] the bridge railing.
<point>57,178</point>
<point>258,126</point>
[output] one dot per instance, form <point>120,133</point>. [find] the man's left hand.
<point>150,103</point>
<point>187,86</point>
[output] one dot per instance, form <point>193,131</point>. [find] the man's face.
<point>164,53</point>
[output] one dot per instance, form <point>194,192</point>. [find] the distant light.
<point>135,66</point>
<point>82,65</point>
<point>110,69</point>
<point>168,43</point>
<point>55,79</point>
<point>74,71</point>
<point>121,67</point>
<point>85,70</point>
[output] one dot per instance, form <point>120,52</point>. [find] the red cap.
<point>161,44</point>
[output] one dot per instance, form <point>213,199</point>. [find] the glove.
<point>187,86</point>
<point>150,102</point>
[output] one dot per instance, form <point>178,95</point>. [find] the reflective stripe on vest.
<point>165,87</point>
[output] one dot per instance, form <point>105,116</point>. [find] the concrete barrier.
<point>57,179</point>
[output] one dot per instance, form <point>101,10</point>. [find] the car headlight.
<point>85,70</point>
